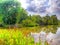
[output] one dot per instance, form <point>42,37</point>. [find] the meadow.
<point>12,37</point>
<point>15,38</point>
<point>21,36</point>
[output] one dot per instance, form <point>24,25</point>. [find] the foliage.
<point>54,20</point>
<point>9,10</point>
<point>11,13</point>
<point>37,19</point>
<point>14,38</point>
<point>23,15</point>
<point>29,23</point>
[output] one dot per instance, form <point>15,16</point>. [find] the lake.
<point>49,28</point>
<point>28,30</point>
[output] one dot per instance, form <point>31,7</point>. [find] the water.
<point>53,36</point>
<point>47,29</point>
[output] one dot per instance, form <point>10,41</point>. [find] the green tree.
<point>10,10</point>
<point>23,15</point>
<point>47,20</point>
<point>28,23</point>
<point>54,20</point>
<point>37,19</point>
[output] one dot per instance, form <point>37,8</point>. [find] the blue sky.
<point>42,7</point>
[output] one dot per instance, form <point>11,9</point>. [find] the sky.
<point>42,7</point>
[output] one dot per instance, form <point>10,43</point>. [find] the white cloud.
<point>42,6</point>
<point>23,3</point>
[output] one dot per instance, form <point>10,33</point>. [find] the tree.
<point>54,20</point>
<point>28,23</point>
<point>37,19</point>
<point>10,10</point>
<point>23,15</point>
<point>46,20</point>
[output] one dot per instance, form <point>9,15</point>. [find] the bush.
<point>29,23</point>
<point>1,25</point>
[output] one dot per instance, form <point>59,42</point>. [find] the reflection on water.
<point>49,28</point>
<point>52,28</point>
<point>50,38</point>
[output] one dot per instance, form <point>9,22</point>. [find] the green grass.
<point>21,36</point>
<point>12,37</point>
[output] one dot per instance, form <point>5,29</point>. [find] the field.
<point>20,36</point>
<point>15,38</point>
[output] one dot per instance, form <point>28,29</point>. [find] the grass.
<point>15,38</point>
<point>21,36</point>
<point>8,37</point>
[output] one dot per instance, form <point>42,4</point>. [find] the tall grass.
<point>22,36</point>
<point>12,37</point>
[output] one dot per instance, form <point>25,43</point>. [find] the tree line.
<point>11,13</point>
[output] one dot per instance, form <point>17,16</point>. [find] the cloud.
<point>42,6</point>
<point>23,3</point>
<point>38,6</point>
<point>54,6</point>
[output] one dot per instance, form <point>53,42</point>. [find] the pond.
<point>49,28</point>
<point>28,30</point>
